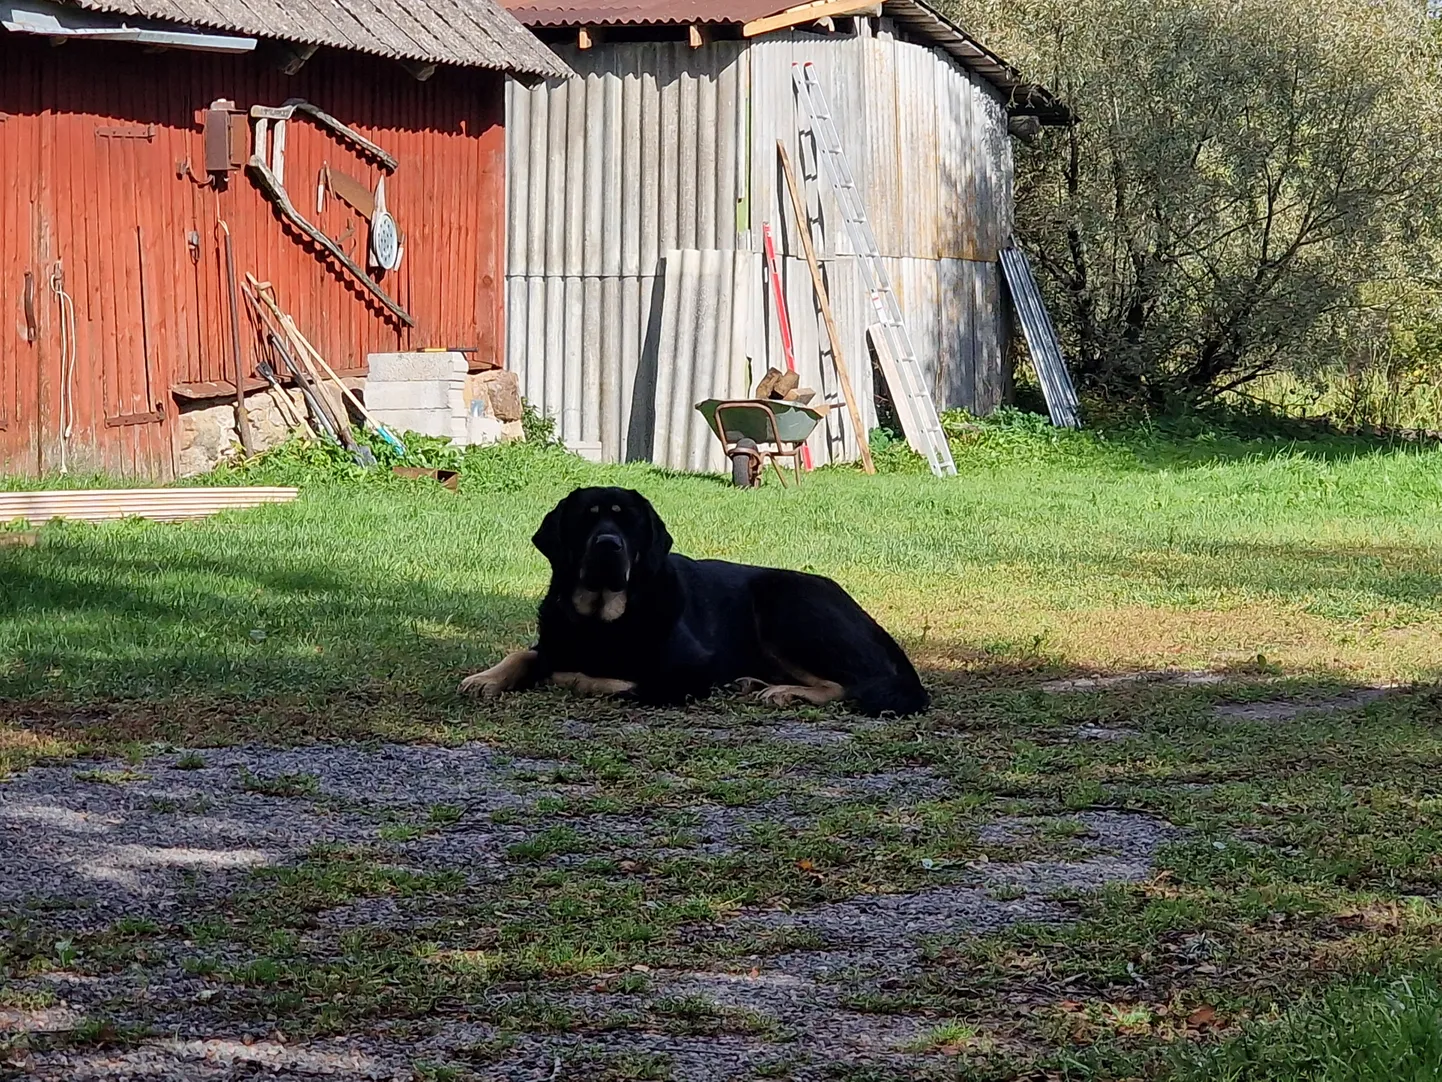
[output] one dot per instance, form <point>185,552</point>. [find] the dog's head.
<point>603,543</point>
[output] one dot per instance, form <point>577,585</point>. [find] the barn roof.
<point>470,33</point>
<point>917,19</point>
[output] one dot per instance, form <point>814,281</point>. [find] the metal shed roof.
<point>470,33</point>
<point>914,17</point>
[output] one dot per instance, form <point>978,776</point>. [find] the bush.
<point>503,467</point>
<point>1239,177</point>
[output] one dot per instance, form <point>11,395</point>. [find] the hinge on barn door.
<point>32,327</point>
<point>124,419</point>
<point>121,132</point>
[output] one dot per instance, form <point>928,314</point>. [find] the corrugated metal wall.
<point>700,351</point>
<point>90,135</point>
<point>657,146</point>
<point>643,154</point>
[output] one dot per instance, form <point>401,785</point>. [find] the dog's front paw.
<point>510,673</point>
<point>748,685</point>
<point>781,695</point>
<point>812,694</point>
<point>485,685</point>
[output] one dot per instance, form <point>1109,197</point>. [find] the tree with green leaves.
<point>1240,176</point>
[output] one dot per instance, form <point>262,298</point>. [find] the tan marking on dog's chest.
<point>613,605</point>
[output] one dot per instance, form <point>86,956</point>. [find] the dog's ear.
<point>550,538</point>
<point>660,546</point>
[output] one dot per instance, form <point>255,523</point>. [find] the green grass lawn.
<point>1308,862</point>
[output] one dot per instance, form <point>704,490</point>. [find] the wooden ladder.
<point>899,363</point>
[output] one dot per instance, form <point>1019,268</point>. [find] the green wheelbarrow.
<point>755,431</point>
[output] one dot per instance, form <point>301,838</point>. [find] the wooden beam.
<point>220,388</point>
<point>808,13</point>
<point>698,35</point>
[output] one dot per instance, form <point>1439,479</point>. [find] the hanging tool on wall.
<point>267,168</point>
<point>68,351</point>
<point>386,243</point>
<point>386,247</point>
<point>242,418</point>
<point>783,319</point>
<point>347,189</point>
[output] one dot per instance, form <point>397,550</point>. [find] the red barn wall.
<point>90,138</point>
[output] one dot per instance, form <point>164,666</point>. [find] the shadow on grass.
<point>1333,579</point>
<point>1218,434</point>
<point>84,624</point>
<point>110,643</point>
<point>114,626</point>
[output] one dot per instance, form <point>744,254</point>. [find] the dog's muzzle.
<point>606,564</point>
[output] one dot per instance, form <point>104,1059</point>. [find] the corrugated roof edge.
<point>489,36</point>
<point>1023,98</point>
<point>554,14</point>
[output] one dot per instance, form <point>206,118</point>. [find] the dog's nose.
<point>605,541</point>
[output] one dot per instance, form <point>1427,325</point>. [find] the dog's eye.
<point>596,510</point>
<point>616,507</point>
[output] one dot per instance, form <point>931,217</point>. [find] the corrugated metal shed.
<point>473,33</point>
<point>656,146</point>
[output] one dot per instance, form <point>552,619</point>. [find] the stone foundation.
<point>500,395</point>
<point>208,434</point>
<point>207,438</point>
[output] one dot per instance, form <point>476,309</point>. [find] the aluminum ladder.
<point>1041,339</point>
<point>913,402</point>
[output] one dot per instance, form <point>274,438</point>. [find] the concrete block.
<point>426,422</point>
<point>410,367</point>
<point>408,395</point>
<point>591,451</point>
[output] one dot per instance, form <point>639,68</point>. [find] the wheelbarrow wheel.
<point>744,463</point>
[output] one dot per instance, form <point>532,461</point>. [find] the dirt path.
<point>146,851</point>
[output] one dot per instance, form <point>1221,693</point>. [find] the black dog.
<point>626,616</point>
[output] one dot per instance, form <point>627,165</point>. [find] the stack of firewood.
<point>782,386</point>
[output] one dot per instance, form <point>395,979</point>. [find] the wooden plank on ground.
<point>157,504</point>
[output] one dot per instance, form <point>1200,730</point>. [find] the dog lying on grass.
<point>626,616</point>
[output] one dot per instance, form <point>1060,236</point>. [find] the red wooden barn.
<point>126,140</point>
